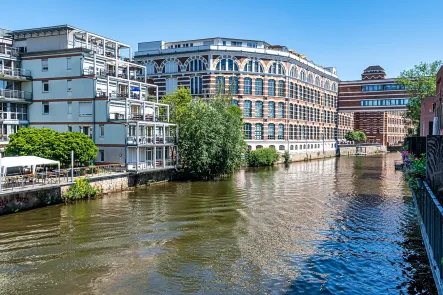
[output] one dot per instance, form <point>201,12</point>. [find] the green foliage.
<point>357,136</point>
<point>286,157</point>
<point>419,82</point>
<point>80,190</point>
<point>211,140</point>
<point>262,157</point>
<point>50,144</point>
<point>349,136</point>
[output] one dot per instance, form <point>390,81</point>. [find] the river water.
<point>335,226</point>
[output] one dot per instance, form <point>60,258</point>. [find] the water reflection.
<point>342,225</point>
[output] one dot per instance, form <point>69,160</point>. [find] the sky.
<point>347,34</point>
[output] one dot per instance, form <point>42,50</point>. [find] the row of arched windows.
<point>297,147</point>
<point>295,132</point>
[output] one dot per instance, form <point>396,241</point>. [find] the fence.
<point>416,145</point>
<point>430,213</point>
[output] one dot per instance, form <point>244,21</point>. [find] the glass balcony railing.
<point>15,73</point>
<point>9,51</point>
<point>140,140</point>
<point>15,94</point>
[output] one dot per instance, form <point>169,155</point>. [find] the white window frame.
<point>45,82</point>
<point>45,64</point>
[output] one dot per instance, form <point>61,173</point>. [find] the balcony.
<point>4,138</point>
<point>149,140</point>
<point>15,74</point>
<point>15,95</point>
<point>104,74</point>
<point>9,51</point>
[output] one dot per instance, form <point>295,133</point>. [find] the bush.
<point>286,157</point>
<point>262,157</point>
<point>82,189</point>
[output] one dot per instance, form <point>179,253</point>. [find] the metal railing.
<point>138,117</point>
<point>16,94</point>
<point>134,140</point>
<point>17,73</point>
<point>4,138</point>
<point>430,213</point>
<point>9,51</point>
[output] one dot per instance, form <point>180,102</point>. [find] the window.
<point>310,79</point>
<point>85,108</point>
<point>334,87</point>
<point>248,130</point>
<point>281,88</point>
<point>196,85</point>
<point>247,109</point>
<point>258,131</point>
<point>281,110</point>
<point>293,73</point>
<point>236,43</point>
<point>69,84</point>
<point>69,128</point>
<point>171,67</point>
<point>291,111</point>
<point>317,81</point>
<point>303,76</point>
<point>234,102</point>
<point>102,130</point>
<point>327,86</point>
<point>276,68</point>
<point>251,44</point>
<point>271,131</point>
<point>195,65</point>
<point>45,86</point>
<point>259,109</point>
<point>220,84</point>
<point>227,64</point>
<point>291,89</point>
<point>150,69</point>
<point>68,63</point>
<point>253,66</point>
<point>69,107</point>
<point>45,108</point>
<point>271,87</point>
<point>281,131</point>
<point>247,86</point>
<point>271,109</point>
<point>101,154</point>
<point>45,66</point>
<point>87,130</point>
<point>171,85</point>
<point>233,85</point>
<point>258,86</point>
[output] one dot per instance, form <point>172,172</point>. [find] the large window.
<point>381,87</point>
<point>271,87</point>
<point>276,68</point>
<point>247,82</point>
<point>291,111</point>
<point>248,130</point>
<point>247,109</point>
<point>291,89</point>
<point>253,66</point>
<point>220,84</point>
<point>296,111</point>
<point>233,84</point>
<point>171,67</point>
<point>258,131</point>
<point>227,64</point>
<point>171,85</point>
<point>303,76</point>
<point>271,131</point>
<point>290,132</point>
<point>310,79</point>
<point>293,73</point>
<point>334,87</point>
<point>258,86</point>
<point>259,109</point>
<point>327,85</point>
<point>317,81</point>
<point>271,109</point>
<point>281,131</point>
<point>281,110</point>
<point>281,88</point>
<point>196,85</point>
<point>85,108</point>
<point>195,65</point>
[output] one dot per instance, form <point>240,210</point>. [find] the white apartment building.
<point>83,82</point>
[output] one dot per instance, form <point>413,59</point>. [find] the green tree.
<point>360,136</point>
<point>349,136</point>
<point>50,144</point>
<point>265,157</point>
<point>178,102</point>
<point>419,82</point>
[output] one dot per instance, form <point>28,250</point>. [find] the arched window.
<point>259,86</point>
<point>247,86</point>
<point>296,133</point>
<point>291,147</point>
<point>281,131</point>
<point>248,130</point>
<point>233,84</point>
<point>196,85</point>
<point>259,109</point>
<point>276,68</point>
<point>271,131</point>
<point>296,112</point>
<point>150,68</point>
<point>247,109</point>
<point>281,110</point>
<point>171,67</point>
<point>281,147</point>
<point>253,66</point>
<point>272,146</point>
<point>220,84</point>
<point>291,130</point>
<point>281,88</point>
<point>259,131</point>
<point>317,81</point>
<point>334,86</point>
<point>327,86</point>
<point>293,73</point>
<point>271,109</point>
<point>195,65</point>
<point>291,89</point>
<point>291,111</point>
<point>258,147</point>
<point>271,87</point>
<point>303,76</point>
<point>296,147</point>
<point>310,78</point>
<point>227,64</point>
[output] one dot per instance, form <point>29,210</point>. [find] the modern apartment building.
<point>84,82</point>
<point>378,105</point>
<point>288,102</point>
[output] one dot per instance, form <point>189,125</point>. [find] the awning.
<point>22,161</point>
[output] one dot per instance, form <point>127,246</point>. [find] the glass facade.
<point>384,102</point>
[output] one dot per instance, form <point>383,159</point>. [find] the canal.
<point>335,226</point>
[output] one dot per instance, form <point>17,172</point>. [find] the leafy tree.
<point>178,102</point>
<point>50,144</point>
<point>419,82</point>
<point>264,157</point>
<point>360,136</point>
<point>349,136</point>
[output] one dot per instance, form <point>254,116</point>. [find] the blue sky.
<point>347,34</point>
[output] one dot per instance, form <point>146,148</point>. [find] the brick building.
<point>378,105</point>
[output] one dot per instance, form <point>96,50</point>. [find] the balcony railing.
<point>15,94</point>
<point>4,138</point>
<point>9,51</point>
<point>16,73</point>
<point>140,140</point>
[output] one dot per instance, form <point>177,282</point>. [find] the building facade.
<point>378,105</point>
<point>288,102</point>
<point>83,82</point>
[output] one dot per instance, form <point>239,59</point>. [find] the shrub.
<point>286,157</point>
<point>80,190</point>
<point>262,157</point>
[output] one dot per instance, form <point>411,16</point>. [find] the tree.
<point>419,83</point>
<point>178,102</point>
<point>360,136</point>
<point>349,136</point>
<point>50,144</point>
